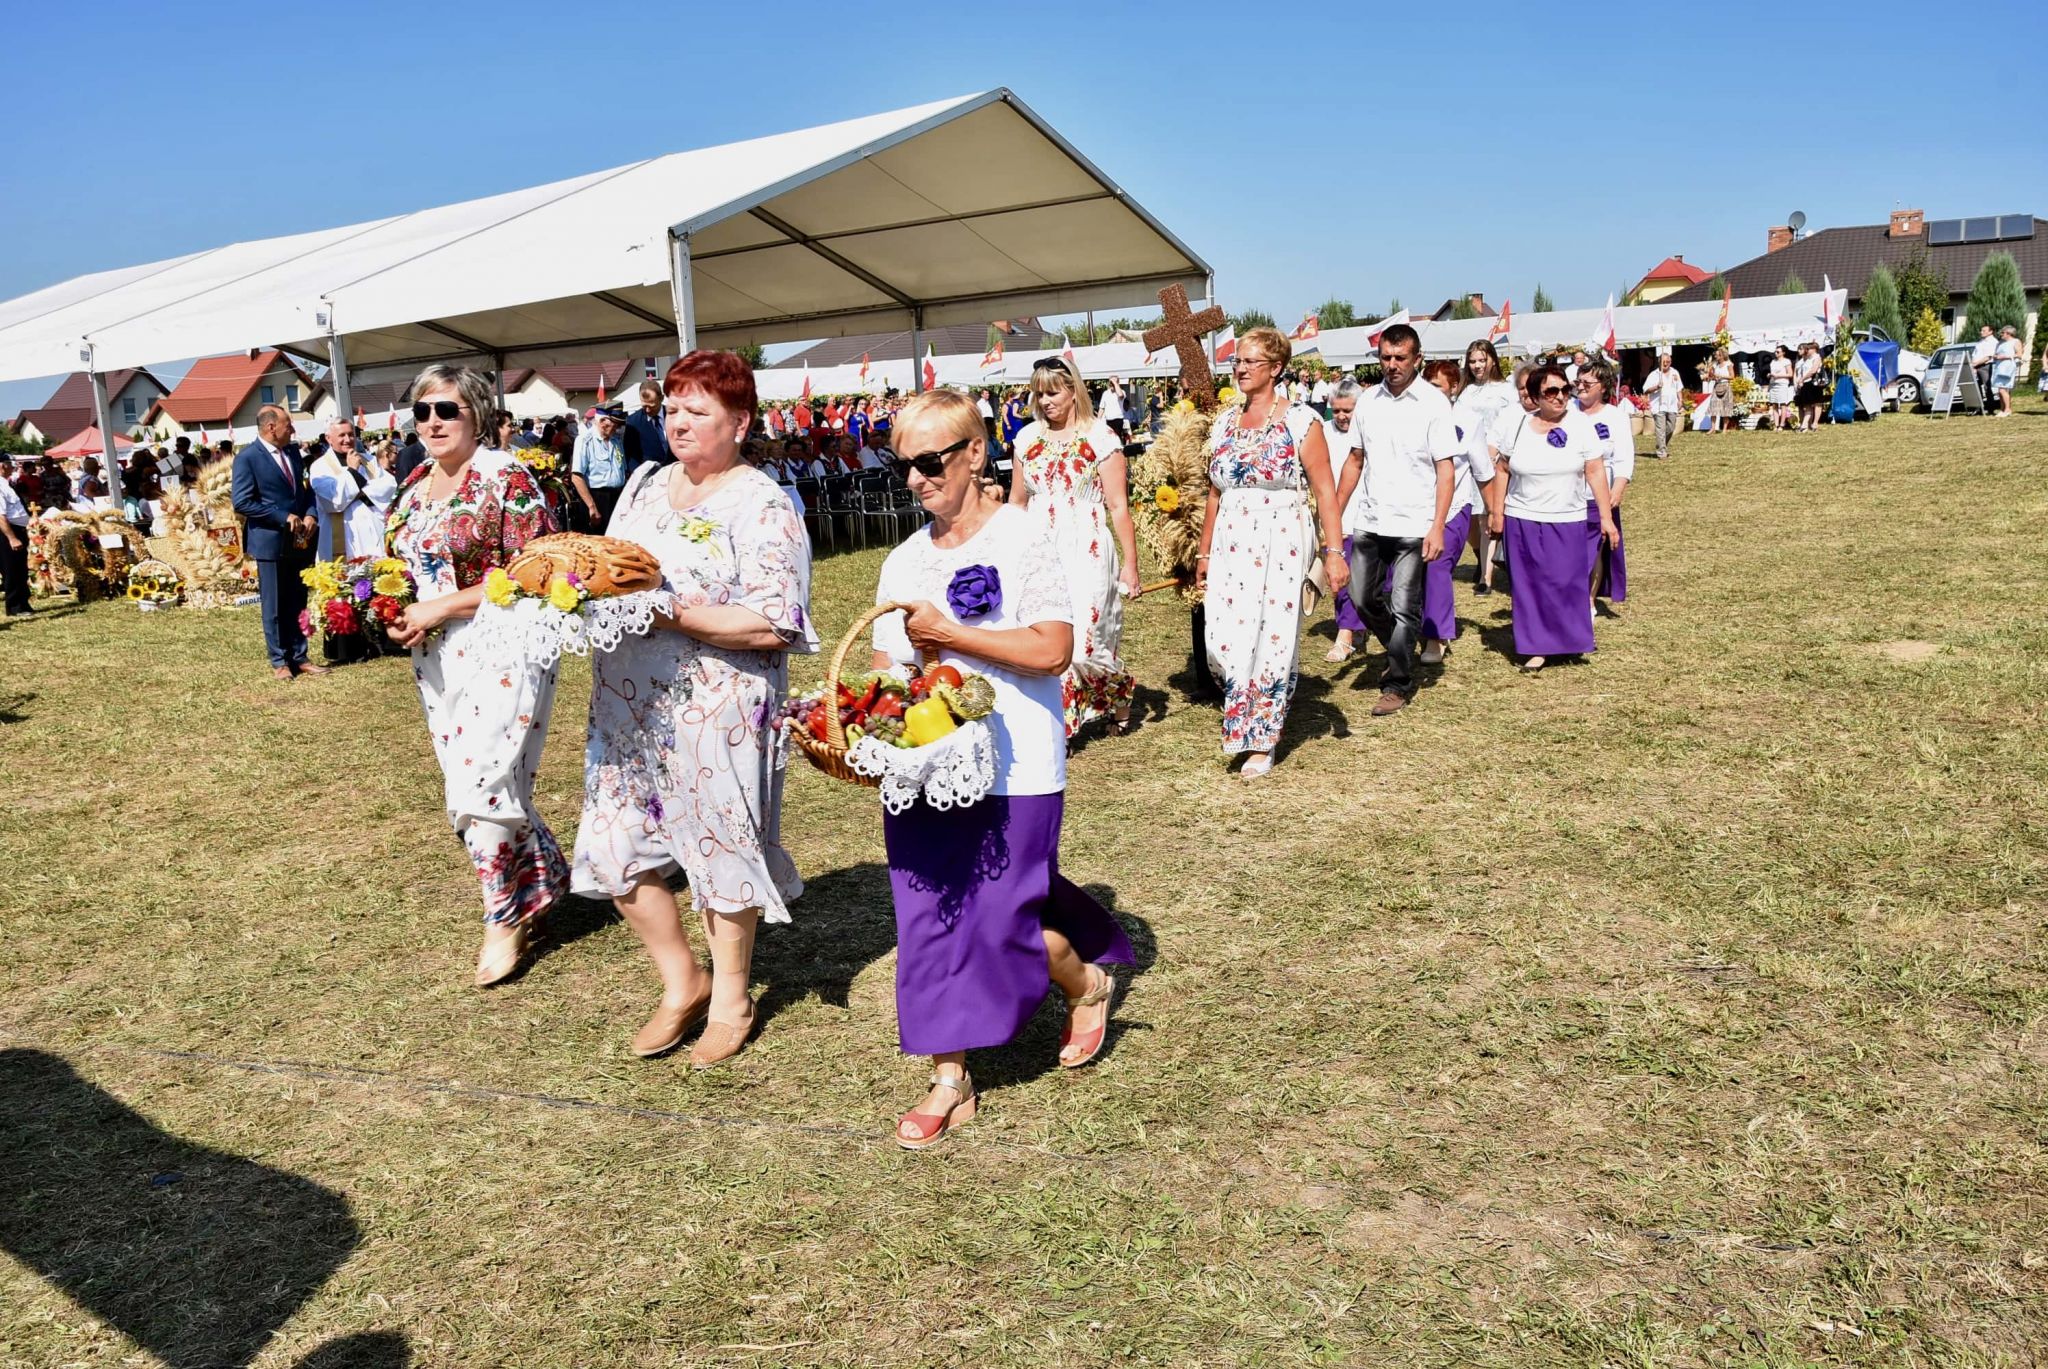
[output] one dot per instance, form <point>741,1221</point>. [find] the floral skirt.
<point>1253,610</point>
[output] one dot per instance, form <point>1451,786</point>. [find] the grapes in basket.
<point>903,713</point>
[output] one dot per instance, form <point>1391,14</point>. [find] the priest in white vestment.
<point>354,494</point>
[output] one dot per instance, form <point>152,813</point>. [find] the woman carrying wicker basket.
<point>465,511</point>
<point>680,772</point>
<point>983,916</point>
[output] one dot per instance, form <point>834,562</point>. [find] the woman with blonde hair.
<point>1069,476</point>
<point>985,921</point>
<point>465,511</point>
<point>1260,541</point>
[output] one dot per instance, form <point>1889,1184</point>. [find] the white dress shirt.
<point>1666,391</point>
<point>1402,438</point>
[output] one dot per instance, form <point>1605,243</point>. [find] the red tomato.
<point>942,674</point>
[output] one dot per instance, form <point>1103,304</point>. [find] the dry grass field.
<point>1682,1007</point>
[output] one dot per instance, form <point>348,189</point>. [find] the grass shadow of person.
<point>576,917</point>
<point>49,613</point>
<point>1035,1050</point>
<point>11,705</point>
<point>197,1255</point>
<point>845,922</point>
<point>1147,706</point>
<point>1311,716</point>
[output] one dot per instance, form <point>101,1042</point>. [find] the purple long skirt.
<point>1439,606</point>
<point>1612,562</point>
<point>975,890</point>
<point>1348,616</point>
<point>1551,564</point>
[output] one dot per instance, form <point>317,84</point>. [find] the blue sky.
<point>1305,152</point>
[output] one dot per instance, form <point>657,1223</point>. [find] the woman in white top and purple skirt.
<point>1554,466</point>
<point>1595,404</point>
<point>985,922</point>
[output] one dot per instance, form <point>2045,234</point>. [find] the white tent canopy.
<point>952,212</point>
<point>1754,325</point>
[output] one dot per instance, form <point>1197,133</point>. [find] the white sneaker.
<point>1433,653</point>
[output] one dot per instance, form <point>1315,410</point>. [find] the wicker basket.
<point>829,755</point>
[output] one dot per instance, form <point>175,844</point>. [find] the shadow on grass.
<point>41,615</point>
<point>196,1255</point>
<point>12,704</point>
<point>1312,716</point>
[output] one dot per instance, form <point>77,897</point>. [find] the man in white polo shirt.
<point>1407,442</point>
<point>1665,389</point>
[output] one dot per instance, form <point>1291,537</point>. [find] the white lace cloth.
<point>536,633</point>
<point>956,770</point>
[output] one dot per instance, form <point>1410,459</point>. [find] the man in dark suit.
<point>410,455</point>
<point>276,505</point>
<point>646,437</point>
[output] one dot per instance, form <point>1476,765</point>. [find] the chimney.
<point>1906,223</point>
<point>1477,301</point>
<point>1778,237</point>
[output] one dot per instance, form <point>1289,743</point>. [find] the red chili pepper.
<point>890,705</point>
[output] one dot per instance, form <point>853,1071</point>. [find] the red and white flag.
<point>1827,305</point>
<point>359,418</point>
<point>600,386</point>
<point>205,438</point>
<point>993,356</point>
<point>1226,346</point>
<point>1727,293</point>
<point>1372,339</point>
<point>806,395</point>
<point>931,367</point>
<point>1503,323</point>
<point>1308,329</point>
<point>1602,340</point>
<point>863,370</point>
<point>391,419</point>
<point>1067,352</point>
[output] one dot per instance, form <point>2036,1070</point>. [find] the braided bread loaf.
<point>605,565</point>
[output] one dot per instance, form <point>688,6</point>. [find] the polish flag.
<point>1372,339</point>
<point>863,370</point>
<point>1067,352</point>
<point>1226,346</point>
<point>806,395</point>
<point>931,368</point>
<point>1827,305</point>
<point>1602,340</point>
<point>1501,325</point>
<point>391,418</point>
<point>1727,294</point>
<point>993,356</point>
<point>359,418</point>
<point>1308,329</point>
<point>205,438</point>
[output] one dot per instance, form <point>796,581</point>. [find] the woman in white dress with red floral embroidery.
<point>1070,478</point>
<point>1267,457</point>
<point>679,772</point>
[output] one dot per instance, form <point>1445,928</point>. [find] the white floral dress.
<point>1063,473</point>
<point>680,767</point>
<point>1252,609</point>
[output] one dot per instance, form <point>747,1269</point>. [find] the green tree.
<point>1464,308</point>
<point>1541,304</point>
<point>1881,304</point>
<point>1336,313</point>
<point>1997,296</point>
<point>1792,285</point>
<point>750,352</point>
<point>1717,286</point>
<point>1926,332</point>
<point>1395,307</point>
<point>1251,318</point>
<point>1920,288</point>
<point>12,443</point>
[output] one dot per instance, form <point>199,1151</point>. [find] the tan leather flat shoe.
<point>721,1041</point>
<point>667,1028</point>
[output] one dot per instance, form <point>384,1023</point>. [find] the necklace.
<point>1276,415</point>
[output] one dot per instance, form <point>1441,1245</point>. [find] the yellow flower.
<point>564,595</point>
<point>322,580</point>
<point>1227,395</point>
<point>388,565</point>
<point>1186,406</point>
<point>389,583</point>
<point>500,588</point>
<point>1167,498</point>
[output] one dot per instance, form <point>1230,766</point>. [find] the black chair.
<point>815,520</point>
<point>840,501</point>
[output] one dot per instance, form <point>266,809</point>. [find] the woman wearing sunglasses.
<point>1554,468</point>
<point>1070,478</point>
<point>679,773</point>
<point>984,919</point>
<point>464,512</point>
<point>1266,458</point>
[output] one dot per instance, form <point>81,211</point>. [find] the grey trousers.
<point>1390,605</point>
<point>1667,427</point>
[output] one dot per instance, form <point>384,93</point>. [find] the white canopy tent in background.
<point>952,212</point>
<point>1126,360</point>
<point>1754,325</point>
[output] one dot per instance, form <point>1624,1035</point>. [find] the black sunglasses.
<point>447,410</point>
<point>930,465</point>
<point>1553,392</point>
<point>1048,364</point>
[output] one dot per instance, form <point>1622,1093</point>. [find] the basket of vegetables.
<point>921,736</point>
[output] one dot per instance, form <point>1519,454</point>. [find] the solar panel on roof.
<point>1942,232</point>
<point>2012,227</point>
<point>1980,230</point>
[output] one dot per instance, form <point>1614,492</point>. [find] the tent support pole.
<point>498,379</point>
<point>917,350</point>
<point>110,462</point>
<point>337,376</point>
<point>683,291</point>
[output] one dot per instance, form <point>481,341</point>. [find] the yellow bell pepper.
<point>927,722</point>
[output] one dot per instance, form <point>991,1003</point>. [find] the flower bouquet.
<point>154,584</point>
<point>569,592</point>
<point>350,603</point>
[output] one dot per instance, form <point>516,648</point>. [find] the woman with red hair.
<point>679,772</point>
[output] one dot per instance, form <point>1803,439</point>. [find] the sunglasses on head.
<point>1048,364</point>
<point>930,465</point>
<point>447,410</point>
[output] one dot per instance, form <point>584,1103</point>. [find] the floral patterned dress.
<point>680,766</point>
<point>1253,604</point>
<point>488,720</point>
<point>1063,473</point>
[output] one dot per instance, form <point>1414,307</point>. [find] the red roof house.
<point>226,392</point>
<point>68,412</point>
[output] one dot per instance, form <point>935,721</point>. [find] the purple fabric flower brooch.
<point>975,592</point>
<point>1556,438</point>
